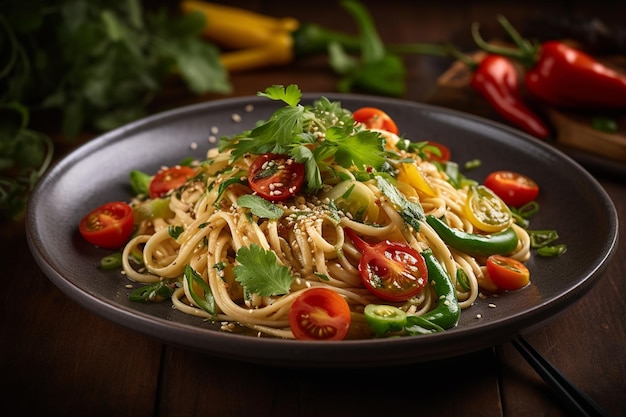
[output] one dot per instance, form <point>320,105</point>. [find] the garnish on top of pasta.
<point>320,224</point>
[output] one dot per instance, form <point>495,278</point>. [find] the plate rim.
<point>342,353</point>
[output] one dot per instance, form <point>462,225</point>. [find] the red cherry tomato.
<point>513,188</point>
<point>169,179</point>
<point>506,273</point>
<point>319,314</point>
<point>442,154</point>
<point>108,226</point>
<point>392,271</point>
<point>275,177</point>
<point>374,118</point>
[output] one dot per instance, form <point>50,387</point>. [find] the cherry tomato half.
<point>108,226</point>
<point>392,271</point>
<point>169,179</point>
<point>506,273</point>
<point>513,188</point>
<point>436,151</point>
<point>275,177</point>
<point>486,211</point>
<point>319,314</point>
<point>374,118</point>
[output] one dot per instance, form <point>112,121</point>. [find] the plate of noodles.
<point>298,237</point>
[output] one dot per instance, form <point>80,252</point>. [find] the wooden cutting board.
<point>572,130</point>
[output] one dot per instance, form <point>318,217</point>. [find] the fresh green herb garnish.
<point>412,213</point>
<point>260,206</point>
<point>455,177</point>
<point>155,292</point>
<point>259,272</point>
<point>290,131</point>
<point>175,231</point>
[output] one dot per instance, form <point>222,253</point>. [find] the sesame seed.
<point>491,305</point>
<point>215,130</point>
<point>193,145</point>
<point>212,139</point>
<point>236,118</point>
<point>479,315</point>
<point>249,108</point>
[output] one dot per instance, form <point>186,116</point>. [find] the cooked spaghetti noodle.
<point>308,238</point>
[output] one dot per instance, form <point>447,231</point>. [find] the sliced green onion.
<point>111,262</point>
<point>541,238</point>
<point>553,251</point>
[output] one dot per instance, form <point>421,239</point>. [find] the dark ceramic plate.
<point>571,202</point>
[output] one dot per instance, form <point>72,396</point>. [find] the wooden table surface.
<point>58,359</point>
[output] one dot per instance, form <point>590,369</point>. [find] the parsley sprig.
<point>259,272</point>
<point>314,135</point>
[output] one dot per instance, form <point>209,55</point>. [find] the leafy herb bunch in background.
<point>90,65</point>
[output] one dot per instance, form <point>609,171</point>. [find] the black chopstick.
<point>576,401</point>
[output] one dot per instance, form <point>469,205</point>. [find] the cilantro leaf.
<point>365,148</point>
<point>279,132</point>
<point>410,212</point>
<point>259,272</point>
<point>260,206</point>
<point>305,156</point>
<point>290,95</point>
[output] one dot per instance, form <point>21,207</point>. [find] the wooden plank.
<point>586,343</point>
<point>57,358</point>
<point>195,384</point>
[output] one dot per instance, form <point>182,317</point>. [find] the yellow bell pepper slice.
<point>410,174</point>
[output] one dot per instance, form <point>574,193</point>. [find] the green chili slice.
<point>383,319</point>
<point>111,262</point>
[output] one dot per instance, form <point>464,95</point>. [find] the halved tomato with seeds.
<point>275,177</point>
<point>506,273</point>
<point>169,179</point>
<point>513,188</point>
<point>374,118</point>
<point>319,314</point>
<point>108,226</point>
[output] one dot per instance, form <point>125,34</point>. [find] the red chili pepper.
<point>561,75</point>
<point>495,78</point>
<point>566,77</point>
